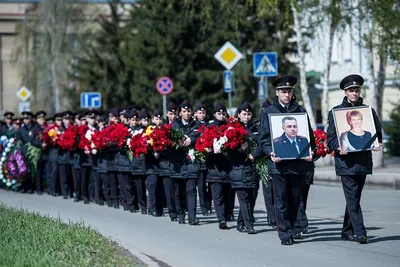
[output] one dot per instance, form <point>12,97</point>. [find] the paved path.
<point>206,245</point>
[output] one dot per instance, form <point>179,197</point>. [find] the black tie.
<point>287,109</point>
<point>295,147</point>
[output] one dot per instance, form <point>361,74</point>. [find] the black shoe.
<point>297,236</point>
<point>86,202</point>
<point>100,203</point>
<point>286,242</point>
<point>362,239</point>
<point>39,193</point>
<point>223,226</point>
<point>230,218</point>
<point>272,224</point>
<point>194,221</point>
<point>116,205</point>
<point>144,211</point>
<point>109,204</point>
<point>346,237</point>
<point>240,228</point>
<point>204,212</point>
<point>76,200</point>
<point>125,208</point>
<point>251,231</point>
<point>305,230</point>
<point>173,218</point>
<point>157,214</point>
<point>65,197</point>
<point>181,219</point>
<point>133,209</point>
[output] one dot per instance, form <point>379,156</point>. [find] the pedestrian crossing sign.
<point>228,55</point>
<point>265,64</point>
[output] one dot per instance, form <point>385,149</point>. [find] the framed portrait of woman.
<point>355,128</point>
<point>290,135</point>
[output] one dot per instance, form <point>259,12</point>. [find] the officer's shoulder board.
<point>278,139</point>
<point>301,137</point>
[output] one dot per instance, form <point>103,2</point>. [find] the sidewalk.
<point>388,176</point>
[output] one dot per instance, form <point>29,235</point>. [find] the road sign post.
<point>265,64</point>
<point>228,55</point>
<point>90,100</point>
<point>164,86</point>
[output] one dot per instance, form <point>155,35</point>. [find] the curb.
<point>390,180</point>
<point>137,254</point>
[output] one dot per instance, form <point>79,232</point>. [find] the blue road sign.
<point>164,85</point>
<point>228,81</point>
<point>265,64</point>
<point>90,100</point>
<point>261,90</point>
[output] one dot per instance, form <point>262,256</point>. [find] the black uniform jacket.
<point>218,165</point>
<point>354,163</point>
<point>243,173</point>
<point>181,166</point>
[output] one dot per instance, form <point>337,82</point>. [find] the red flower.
<point>204,143</point>
<point>46,139</point>
<point>113,134</point>
<point>68,139</point>
<point>321,146</point>
<point>138,145</point>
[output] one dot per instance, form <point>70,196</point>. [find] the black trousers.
<point>302,220</point>
<point>287,193</point>
<point>65,177</point>
<point>187,195</point>
<point>268,193</point>
<point>141,191</point>
<point>112,177</point>
<point>92,185</point>
<point>154,203</point>
<point>102,187</point>
<point>76,175</point>
<point>130,189</point>
<point>246,207</point>
<point>41,164</point>
<point>54,174</point>
<point>353,223</point>
<point>170,196</point>
<point>202,190</point>
<point>222,199</point>
<point>49,180</point>
<point>121,188</point>
<point>86,172</point>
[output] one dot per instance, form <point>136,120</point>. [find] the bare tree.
<point>298,29</point>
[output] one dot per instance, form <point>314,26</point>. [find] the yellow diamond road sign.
<point>228,55</point>
<point>24,93</point>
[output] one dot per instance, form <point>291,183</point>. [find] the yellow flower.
<point>148,131</point>
<point>52,133</point>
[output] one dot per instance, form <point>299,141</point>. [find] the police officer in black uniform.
<point>138,165</point>
<point>204,195</point>
<point>64,159</point>
<point>8,120</point>
<point>26,134</point>
<point>352,167</point>
<point>184,171</point>
<point>287,175</point>
<point>243,177</point>
<point>218,169</point>
<point>165,167</point>
<point>42,163</point>
<point>53,186</point>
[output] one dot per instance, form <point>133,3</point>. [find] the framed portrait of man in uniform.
<point>355,128</point>
<point>290,135</point>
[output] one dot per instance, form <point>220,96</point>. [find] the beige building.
<point>11,76</point>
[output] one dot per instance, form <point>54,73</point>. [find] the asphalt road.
<point>206,245</point>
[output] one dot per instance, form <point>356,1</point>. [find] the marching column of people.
<point>171,180</point>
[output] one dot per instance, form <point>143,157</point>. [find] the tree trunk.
<point>327,69</point>
<point>302,65</point>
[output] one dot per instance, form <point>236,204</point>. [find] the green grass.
<point>28,239</point>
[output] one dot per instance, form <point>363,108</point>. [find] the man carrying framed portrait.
<point>353,131</point>
<point>285,138</point>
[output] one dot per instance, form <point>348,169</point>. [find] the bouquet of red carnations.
<point>321,147</point>
<point>113,135</point>
<point>68,139</point>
